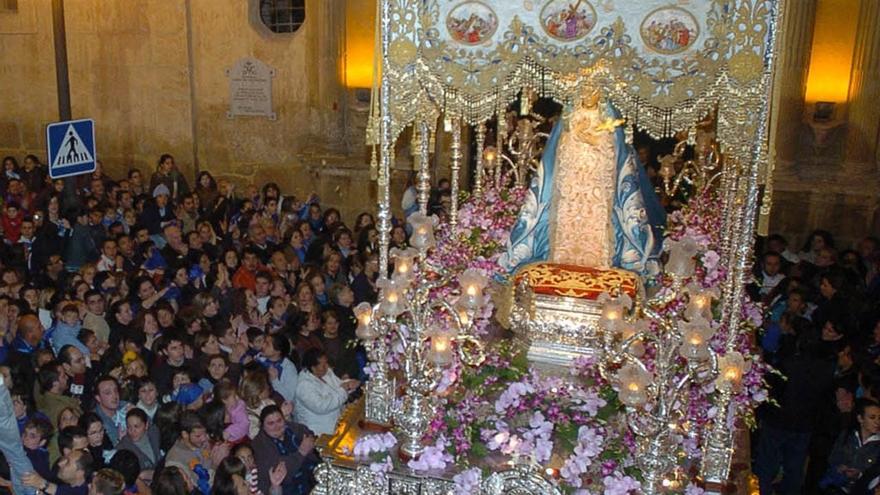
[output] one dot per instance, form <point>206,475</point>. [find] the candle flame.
<point>731,374</point>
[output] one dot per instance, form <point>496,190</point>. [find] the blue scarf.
<point>272,364</point>
<point>21,345</point>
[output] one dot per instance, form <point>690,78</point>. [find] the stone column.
<point>792,67</point>
<point>325,25</point>
<point>864,90</point>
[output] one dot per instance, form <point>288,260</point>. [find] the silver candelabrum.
<point>429,329</point>
<point>655,395</point>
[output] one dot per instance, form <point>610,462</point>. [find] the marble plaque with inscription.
<point>250,89</point>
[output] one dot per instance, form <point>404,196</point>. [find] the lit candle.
<point>732,374</point>
<point>695,338</point>
<point>699,301</point>
<point>489,155</point>
<point>613,309</point>
<point>731,368</point>
<point>364,314</point>
<point>423,230</point>
<point>472,283</point>
<point>633,383</point>
<point>441,349</point>
<point>392,296</point>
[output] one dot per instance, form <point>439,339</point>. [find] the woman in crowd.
<point>320,394</point>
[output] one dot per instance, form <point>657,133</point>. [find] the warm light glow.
<point>695,336</point>
<point>360,38</point>
<point>613,310</point>
<point>731,368</point>
<point>441,348</point>
<point>633,382</point>
<point>463,316</point>
<point>365,319</point>
<point>404,263</point>
<point>472,283</point>
<point>731,374</point>
<point>489,155</point>
<point>834,38</point>
<point>422,237</point>
<point>364,314</point>
<point>393,302</point>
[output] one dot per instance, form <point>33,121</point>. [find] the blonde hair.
<point>253,385</point>
<point>45,298</point>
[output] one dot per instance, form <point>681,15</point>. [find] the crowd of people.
<point>821,434</point>
<point>158,338</point>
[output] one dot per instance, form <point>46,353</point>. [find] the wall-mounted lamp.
<point>824,111</point>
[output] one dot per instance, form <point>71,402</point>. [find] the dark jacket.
<point>80,247</point>
<point>299,468</point>
<point>152,434</point>
<point>810,377</point>
<point>152,218</point>
<point>849,450</point>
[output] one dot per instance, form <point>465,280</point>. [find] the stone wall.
<point>827,174</point>
<point>27,78</point>
<point>152,77</point>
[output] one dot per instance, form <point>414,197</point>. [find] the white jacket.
<point>319,401</point>
<point>286,383</point>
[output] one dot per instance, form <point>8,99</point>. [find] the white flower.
<point>468,482</point>
<point>619,484</point>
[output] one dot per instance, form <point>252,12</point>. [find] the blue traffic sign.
<point>71,148</point>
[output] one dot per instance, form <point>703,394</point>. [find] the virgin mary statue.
<point>590,203</point>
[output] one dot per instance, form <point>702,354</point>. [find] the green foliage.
<point>612,404</point>
<point>567,435</point>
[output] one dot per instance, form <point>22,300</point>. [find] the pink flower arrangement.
<point>503,406</point>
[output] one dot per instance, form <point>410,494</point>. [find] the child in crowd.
<point>237,428</point>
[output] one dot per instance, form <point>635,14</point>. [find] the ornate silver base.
<point>337,479</point>
<point>379,397</point>
<point>340,474</point>
<point>555,330</point>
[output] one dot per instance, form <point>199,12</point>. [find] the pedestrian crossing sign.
<point>71,148</point>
